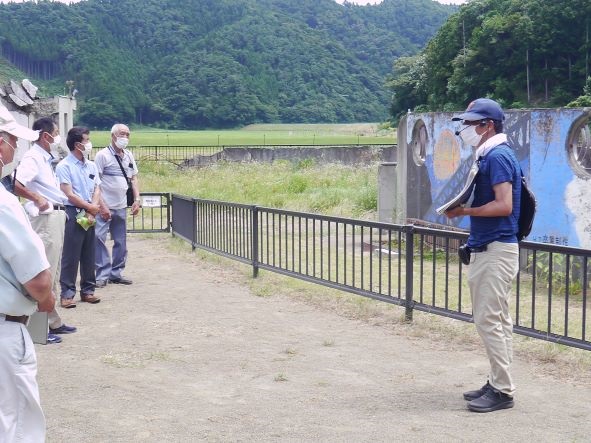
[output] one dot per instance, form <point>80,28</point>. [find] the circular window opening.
<point>419,143</point>
<point>579,148</point>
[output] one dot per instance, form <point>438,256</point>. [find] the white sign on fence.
<point>151,201</point>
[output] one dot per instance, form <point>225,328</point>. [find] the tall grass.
<point>347,191</point>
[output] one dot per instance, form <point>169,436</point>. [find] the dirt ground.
<point>189,353</point>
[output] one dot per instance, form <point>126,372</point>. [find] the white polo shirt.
<point>36,173</point>
<point>22,256</point>
<point>113,184</point>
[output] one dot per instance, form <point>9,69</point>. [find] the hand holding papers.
<point>464,194</point>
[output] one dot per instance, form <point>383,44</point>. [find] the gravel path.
<point>188,353</point>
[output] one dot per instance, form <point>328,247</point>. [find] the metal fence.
<point>180,154</point>
<point>154,215</point>
<point>411,266</point>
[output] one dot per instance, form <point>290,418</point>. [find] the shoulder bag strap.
<point>121,166</point>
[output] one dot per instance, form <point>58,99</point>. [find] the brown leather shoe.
<point>90,298</point>
<point>67,303</point>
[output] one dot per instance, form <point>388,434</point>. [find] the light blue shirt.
<point>81,175</point>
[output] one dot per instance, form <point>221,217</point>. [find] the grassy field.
<point>260,135</point>
<point>349,191</point>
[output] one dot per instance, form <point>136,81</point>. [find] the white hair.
<point>116,127</point>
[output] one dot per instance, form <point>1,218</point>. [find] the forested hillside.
<point>523,53</point>
<point>218,63</point>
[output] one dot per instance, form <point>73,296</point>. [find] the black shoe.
<point>121,281</point>
<point>101,283</point>
<point>492,400</point>
<point>473,395</point>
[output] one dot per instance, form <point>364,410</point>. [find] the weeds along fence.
<point>414,267</point>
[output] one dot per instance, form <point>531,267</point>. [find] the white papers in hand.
<point>464,194</point>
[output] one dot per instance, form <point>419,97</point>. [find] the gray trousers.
<point>107,266</point>
<point>78,249</point>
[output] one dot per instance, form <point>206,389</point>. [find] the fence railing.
<point>410,266</point>
<point>179,154</point>
<point>154,215</point>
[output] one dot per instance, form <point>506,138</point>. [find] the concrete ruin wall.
<point>22,100</point>
<point>335,154</point>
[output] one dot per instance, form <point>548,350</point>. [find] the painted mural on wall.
<point>553,147</point>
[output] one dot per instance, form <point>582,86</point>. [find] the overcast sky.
<point>359,2</point>
<point>373,2</point>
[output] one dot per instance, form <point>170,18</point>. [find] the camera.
<point>464,253</point>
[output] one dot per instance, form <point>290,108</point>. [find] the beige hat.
<point>9,124</point>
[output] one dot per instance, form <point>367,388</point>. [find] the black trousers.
<point>78,249</point>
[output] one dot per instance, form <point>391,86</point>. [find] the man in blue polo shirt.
<point>494,260</point>
<point>79,180</point>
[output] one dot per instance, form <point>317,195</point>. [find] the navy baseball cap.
<point>481,109</point>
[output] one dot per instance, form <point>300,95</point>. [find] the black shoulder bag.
<point>527,210</point>
<point>130,197</point>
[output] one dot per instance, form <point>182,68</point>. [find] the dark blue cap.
<point>481,109</point>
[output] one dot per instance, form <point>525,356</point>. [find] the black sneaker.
<point>101,283</point>
<point>492,400</point>
<point>121,281</point>
<point>473,395</point>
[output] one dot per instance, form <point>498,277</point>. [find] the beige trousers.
<point>50,227</point>
<point>21,417</point>
<point>490,277</point>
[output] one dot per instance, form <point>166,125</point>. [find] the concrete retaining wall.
<point>334,154</point>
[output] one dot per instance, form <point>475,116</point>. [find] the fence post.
<point>409,272</point>
<point>194,239</point>
<point>255,242</point>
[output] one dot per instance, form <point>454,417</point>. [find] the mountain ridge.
<point>219,63</point>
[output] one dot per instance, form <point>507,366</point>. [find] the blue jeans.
<point>107,267</point>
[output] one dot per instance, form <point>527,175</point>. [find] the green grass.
<point>259,135</point>
<point>349,191</point>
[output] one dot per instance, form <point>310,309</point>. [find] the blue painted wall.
<point>438,163</point>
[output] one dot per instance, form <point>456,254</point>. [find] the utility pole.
<point>464,41</point>
<point>587,53</point>
<point>527,74</point>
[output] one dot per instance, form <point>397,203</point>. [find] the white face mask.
<point>470,136</point>
<point>53,147</point>
<point>122,142</point>
<point>7,168</point>
<point>87,149</point>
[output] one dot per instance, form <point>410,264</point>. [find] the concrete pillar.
<point>387,187</point>
<point>401,172</point>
